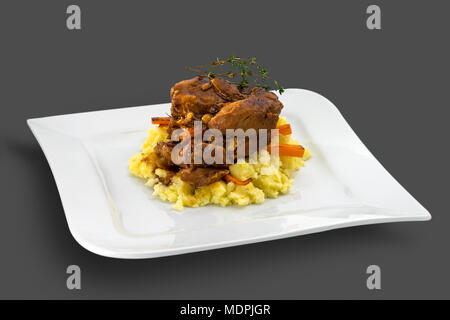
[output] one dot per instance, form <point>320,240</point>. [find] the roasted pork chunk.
<point>259,111</point>
<point>202,176</point>
<point>200,96</point>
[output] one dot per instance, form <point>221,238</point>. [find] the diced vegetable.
<point>230,178</point>
<point>290,150</point>
<point>160,120</point>
<point>284,129</point>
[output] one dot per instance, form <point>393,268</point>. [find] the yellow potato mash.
<point>271,176</point>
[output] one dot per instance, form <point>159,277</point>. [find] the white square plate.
<point>112,213</point>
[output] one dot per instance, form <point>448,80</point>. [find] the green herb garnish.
<point>246,68</point>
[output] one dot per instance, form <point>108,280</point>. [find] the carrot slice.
<point>160,120</point>
<point>230,178</point>
<point>284,129</point>
<point>291,150</point>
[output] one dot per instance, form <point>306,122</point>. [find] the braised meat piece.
<point>194,95</point>
<point>200,96</point>
<point>202,176</point>
<point>162,154</point>
<point>227,90</point>
<point>259,111</point>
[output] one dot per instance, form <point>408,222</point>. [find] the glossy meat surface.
<point>202,176</point>
<point>259,111</point>
<point>200,96</point>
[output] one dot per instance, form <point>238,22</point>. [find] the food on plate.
<point>224,143</point>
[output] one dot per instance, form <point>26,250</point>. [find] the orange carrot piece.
<point>290,150</point>
<point>230,178</point>
<point>160,120</point>
<point>284,129</point>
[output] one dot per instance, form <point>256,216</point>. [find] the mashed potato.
<point>271,177</point>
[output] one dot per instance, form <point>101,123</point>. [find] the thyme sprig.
<point>246,68</point>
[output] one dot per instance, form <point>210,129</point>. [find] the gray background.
<point>391,86</point>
